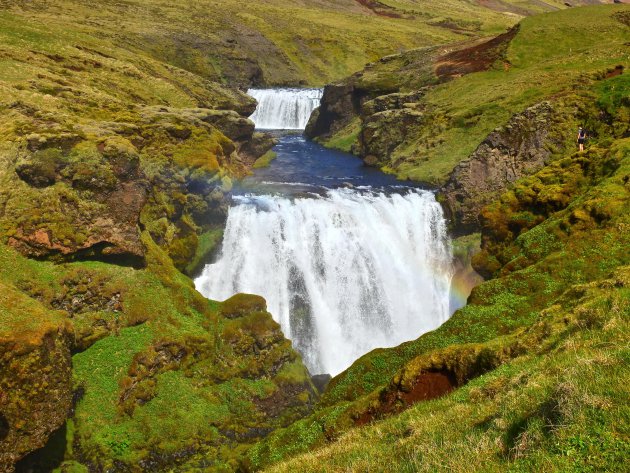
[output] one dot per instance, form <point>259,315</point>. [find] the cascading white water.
<point>342,274</point>
<point>284,109</point>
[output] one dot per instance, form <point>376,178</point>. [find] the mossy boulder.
<point>41,168</point>
<point>242,304</point>
<point>35,370</point>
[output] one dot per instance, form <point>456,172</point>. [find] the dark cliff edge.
<point>520,148</point>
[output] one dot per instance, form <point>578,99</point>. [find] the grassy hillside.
<point>278,42</point>
<point>550,55</point>
<point>529,375</point>
<point>114,167</point>
<point>532,371</point>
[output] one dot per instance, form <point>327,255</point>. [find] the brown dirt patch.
<point>428,385</point>
<point>285,396</point>
<point>623,17</point>
<point>380,9</point>
<point>477,58</point>
<point>617,71</point>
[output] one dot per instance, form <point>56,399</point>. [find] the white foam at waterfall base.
<point>284,109</point>
<point>342,274</point>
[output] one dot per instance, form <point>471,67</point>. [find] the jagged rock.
<point>178,121</point>
<point>518,149</point>
<point>257,146</point>
<point>339,104</point>
<point>229,122</point>
<point>393,101</point>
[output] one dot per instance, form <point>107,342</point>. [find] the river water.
<point>349,259</point>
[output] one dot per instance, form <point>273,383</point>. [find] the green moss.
<point>242,304</point>
<point>345,138</point>
<point>207,244</point>
<point>265,160</point>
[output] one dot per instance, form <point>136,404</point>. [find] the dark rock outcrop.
<point>518,149</point>
<point>35,375</point>
<point>387,121</point>
<point>339,104</point>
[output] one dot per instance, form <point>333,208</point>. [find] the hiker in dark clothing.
<point>581,137</point>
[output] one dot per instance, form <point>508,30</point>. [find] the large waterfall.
<point>284,109</point>
<point>343,274</point>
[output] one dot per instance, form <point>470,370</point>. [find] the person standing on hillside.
<point>581,138</point>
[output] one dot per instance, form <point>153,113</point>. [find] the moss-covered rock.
<point>520,148</point>
<point>35,374</point>
<point>241,304</point>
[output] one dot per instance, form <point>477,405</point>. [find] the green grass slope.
<point>524,383</point>
<point>540,350</point>
<point>559,406</point>
<point>108,153</point>
<point>279,42</point>
<point>550,55</point>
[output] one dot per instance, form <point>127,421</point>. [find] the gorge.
<point>350,261</point>
<point>190,282</point>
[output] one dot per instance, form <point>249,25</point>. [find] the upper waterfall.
<point>284,109</point>
<point>343,274</point>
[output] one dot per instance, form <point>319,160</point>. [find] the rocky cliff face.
<point>72,195</point>
<point>381,113</point>
<point>343,102</point>
<point>518,149</point>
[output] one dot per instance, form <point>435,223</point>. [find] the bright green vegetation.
<point>265,160</point>
<point>539,353</point>
<point>345,138</point>
<point>121,131</point>
<point>551,55</point>
<point>558,406</point>
<point>160,369</point>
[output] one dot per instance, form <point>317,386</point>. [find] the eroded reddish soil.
<point>428,385</point>
<point>380,9</point>
<point>477,58</point>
